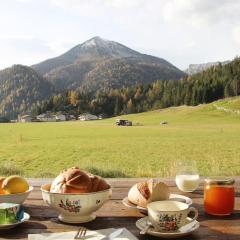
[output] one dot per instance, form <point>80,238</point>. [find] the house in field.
<point>47,117</point>
<point>25,118</point>
<point>102,116</point>
<point>87,117</point>
<point>72,117</point>
<point>60,117</point>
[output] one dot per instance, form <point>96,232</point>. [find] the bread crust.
<point>73,180</point>
<point>142,193</point>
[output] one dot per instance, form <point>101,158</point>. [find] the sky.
<point>181,31</point>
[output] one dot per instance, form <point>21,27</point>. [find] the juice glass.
<point>219,196</point>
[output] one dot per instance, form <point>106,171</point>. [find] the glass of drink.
<point>187,176</point>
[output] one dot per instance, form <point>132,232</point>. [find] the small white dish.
<point>15,197</point>
<point>142,223</point>
<point>25,218</point>
<point>173,197</point>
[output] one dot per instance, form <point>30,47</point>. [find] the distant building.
<point>47,117</point>
<point>60,117</point>
<point>87,117</point>
<point>70,117</point>
<point>102,116</point>
<point>25,118</point>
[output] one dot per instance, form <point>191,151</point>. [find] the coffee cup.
<point>169,216</point>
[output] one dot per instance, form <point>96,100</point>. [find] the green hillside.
<point>203,133</point>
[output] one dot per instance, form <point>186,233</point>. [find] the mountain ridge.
<point>199,67</point>
<point>74,68</point>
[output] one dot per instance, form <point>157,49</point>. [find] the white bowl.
<point>75,207</point>
<point>15,197</point>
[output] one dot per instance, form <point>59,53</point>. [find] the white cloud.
<point>59,47</point>
<point>236,35</point>
<point>16,37</point>
<point>182,31</point>
<point>123,4</point>
<point>200,13</point>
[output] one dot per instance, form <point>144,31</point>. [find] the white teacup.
<point>169,215</point>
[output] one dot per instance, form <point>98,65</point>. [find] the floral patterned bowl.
<point>75,207</point>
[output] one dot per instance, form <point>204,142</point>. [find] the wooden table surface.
<point>115,214</point>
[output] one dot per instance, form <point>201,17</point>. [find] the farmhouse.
<point>25,118</point>
<point>60,117</point>
<point>102,116</point>
<point>47,117</point>
<point>87,117</point>
<point>71,117</point>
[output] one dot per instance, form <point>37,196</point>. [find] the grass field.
<point>203,133</point>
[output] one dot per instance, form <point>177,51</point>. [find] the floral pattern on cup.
<point>169,222</point>
<point>70,206</point>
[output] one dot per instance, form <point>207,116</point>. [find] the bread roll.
<point>98,183</point>
<point>142,193</point>
<point>72,180</point>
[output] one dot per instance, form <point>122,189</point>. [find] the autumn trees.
<point>207,86</point>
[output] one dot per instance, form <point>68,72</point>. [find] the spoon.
<point>144,231</point>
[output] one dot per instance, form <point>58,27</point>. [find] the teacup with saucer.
<point>169,219</point>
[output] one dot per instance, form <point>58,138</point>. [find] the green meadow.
<point>208,135</point>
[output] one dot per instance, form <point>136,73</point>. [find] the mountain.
<point>196,68</point>
<point>99,63</point>
<point>20,86</point>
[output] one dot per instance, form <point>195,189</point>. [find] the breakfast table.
<point>114,214</point>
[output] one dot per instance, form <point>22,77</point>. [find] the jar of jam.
<point>219,196</point>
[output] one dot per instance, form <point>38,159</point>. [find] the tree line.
<point>214,83</point>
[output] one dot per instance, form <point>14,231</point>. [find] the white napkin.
<point>93,235</point>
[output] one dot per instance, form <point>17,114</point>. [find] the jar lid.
<point>220,181</point>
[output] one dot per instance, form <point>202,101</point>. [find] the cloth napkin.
<point>93,235</point>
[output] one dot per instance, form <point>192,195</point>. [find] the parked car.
<point>123,122</point>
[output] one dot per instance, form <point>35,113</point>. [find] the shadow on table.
<point>204,216</point>
<point>203,233</point>
<point>23,230</point>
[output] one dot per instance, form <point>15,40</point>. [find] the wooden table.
<point>115,214</point>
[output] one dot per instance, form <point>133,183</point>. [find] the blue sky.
<point>181,31</point>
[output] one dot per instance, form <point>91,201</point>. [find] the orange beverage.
<point>219,196</point>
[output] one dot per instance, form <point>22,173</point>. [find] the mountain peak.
<point>98,60</point>
<point>93,42</point>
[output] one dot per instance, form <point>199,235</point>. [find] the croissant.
<point>142,193</point>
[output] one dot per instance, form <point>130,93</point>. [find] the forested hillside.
<point>215,83</point>
<point>20,86</point>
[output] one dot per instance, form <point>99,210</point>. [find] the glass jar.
<point>219,196</point>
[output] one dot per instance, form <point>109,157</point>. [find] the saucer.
<point>173,197</point>
<point>184,231</point>
<point>25,218</point>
